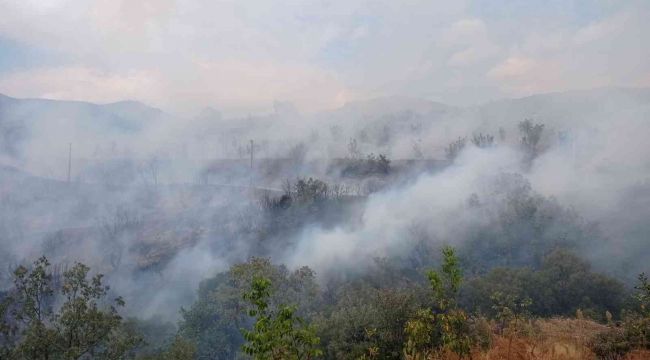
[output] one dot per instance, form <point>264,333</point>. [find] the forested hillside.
<point>487,246</point>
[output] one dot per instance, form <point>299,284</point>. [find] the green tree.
<point>446,327</point>
<point>277,334</point>
<point>79,327</point>
<point>563,284</point>
<point>510,312</point>
<point>7,329</point>
<point>366,320</point>
<point>637,323</point>
<point>214,321</point>
<point>179,349</point>
<point>642,295</point>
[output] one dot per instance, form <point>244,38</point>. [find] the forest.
<point>324,179</point>
<point>510,283</point>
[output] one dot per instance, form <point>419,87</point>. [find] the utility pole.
<point>69,160</point>
<point>252,150</point>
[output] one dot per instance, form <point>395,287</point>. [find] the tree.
<point>367,320</point>
<point>353,149</point>
<point>307,191</point>
<point>454,148</point>
<point>6,328</point>
<point>421,333</point>
<point>277,334</point>
<point>642,295</point>
<point>616,341</point>
<point>79,327</point>
<point>502,134</point>
<point>417,149</point>
<point>297,153</point>
<point>510,311</point>
<point>483,140</point>
<point>179,349</point>
<point>383,164</point>
<point>149,170</point>
<point>562,285</point>
<point>531,134</point>
<point>214,321</point>
<point>371,165</point>
<point>637,324</point>
<point>521,227</point>
<point>445,327</point>
<point>113,229</point>
<point>29,307</point>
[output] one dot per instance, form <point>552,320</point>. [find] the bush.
<point>277,334</point>
<point>34,326</point>
<point>214,321</point>
<point>611,344</point>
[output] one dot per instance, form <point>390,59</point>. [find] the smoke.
<point>594,162</point>
<point>434,203</point>
<point>157,140</point>
<point>159,202</point>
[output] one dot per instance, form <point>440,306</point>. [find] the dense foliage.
<point>265,311</point>
<point>517,283</point>
<point>68,318</point>
<point>213,323</point>
<point>276,334</point>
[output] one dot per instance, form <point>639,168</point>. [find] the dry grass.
<point>638,355</point>
<point>546,339</point>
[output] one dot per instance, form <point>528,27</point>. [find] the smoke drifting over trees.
<point>199,180</point>
<point>158,208</point>
<point>142,207</point>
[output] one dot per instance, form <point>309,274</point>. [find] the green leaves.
<point>80,326</point>
<point>447,327</point>
<point>33,291</point>
<point>276,334</point>
<point>509,307</point>
<point>446,283</point>
<point>643,294</point>
<point>215,320</point>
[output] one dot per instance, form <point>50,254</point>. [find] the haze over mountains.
<point>97,129</point>
<point>335,179</point>
<point>154,193</point>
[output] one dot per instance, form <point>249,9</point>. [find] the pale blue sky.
<point>185,54</point>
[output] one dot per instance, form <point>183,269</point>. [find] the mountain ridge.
<point>390,101</point>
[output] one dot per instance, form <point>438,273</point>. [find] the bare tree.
<point>297,153</point>
<point>531,134</point>
<point>149,170</point>
<point>502,134</point>
<point>454,148</point>
<point>113,228</point>
<point>483,140</point>
<point>417,149</point>
<point>353,149</point>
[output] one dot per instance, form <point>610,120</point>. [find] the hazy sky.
<point>236,55</point>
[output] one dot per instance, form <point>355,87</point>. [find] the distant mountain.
<point>378,124</point>
<point>376,121</point>
<point>12,177</point>
<point>45,121</point>
<point>133,114</point>
<point>569,106</point>
<point>123,116</point>
<point>393,105</point>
